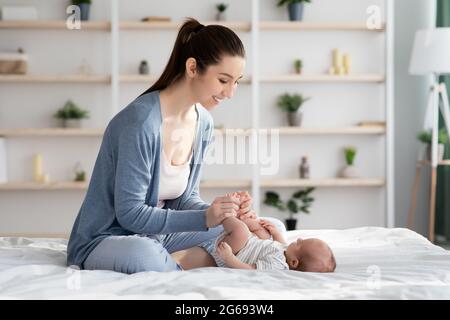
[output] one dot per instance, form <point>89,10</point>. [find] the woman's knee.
<point>131,254</point>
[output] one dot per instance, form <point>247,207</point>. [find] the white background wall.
<point>57,51</point>
<point>410,102</point>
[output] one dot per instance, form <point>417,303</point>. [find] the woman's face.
<point>219,81</point>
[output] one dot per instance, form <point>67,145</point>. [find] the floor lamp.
<point>431,56</point>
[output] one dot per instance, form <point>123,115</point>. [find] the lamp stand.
<point>437,91</point>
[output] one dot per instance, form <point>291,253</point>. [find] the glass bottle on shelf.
<point>304,168</point>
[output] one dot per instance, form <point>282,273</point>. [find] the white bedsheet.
<point>372,263</point>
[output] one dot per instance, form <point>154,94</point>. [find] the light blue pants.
<point>138,253</point>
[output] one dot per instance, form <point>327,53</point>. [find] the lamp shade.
<point>431,52</point>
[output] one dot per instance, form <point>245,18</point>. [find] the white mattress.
<point>372,263</point>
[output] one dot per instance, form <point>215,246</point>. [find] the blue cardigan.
<point>123,191</point>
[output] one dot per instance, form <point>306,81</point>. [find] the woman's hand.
<point>220,209</point>
<point>245,206</point>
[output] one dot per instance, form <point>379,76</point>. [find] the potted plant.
<point>84,6</point>
<point>71,115</point>
<point>143,67</point>
<point>426,137</point>
<point>295,8</point>
<point>221,7</point>
<point>80,174</point>
<point>349,171</point>
<point>292,205</point>
<point>298,64</point>
<point>291,104</point>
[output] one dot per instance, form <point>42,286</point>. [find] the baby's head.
<point>310,255</point>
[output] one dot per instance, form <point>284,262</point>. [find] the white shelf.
<point>243,26</point>
<point>68,78</point>
<point>51,132</point>
<point>371,78</point>
<point>307,26</point>
<point>334,182</point>
<point>72,185</point>
<point>174,25</point>
<point>93,132</point>
<point>54,24</point>
<point>138,78</point>
<point>34,186</point>
<point>207,184</point>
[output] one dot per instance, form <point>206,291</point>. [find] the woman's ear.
<point>191,67</point>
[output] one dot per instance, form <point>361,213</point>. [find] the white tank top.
<point>173,180</point>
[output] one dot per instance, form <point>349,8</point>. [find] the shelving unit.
<point>254,78</point>
<point>92,132</point>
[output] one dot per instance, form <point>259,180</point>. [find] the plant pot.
<point>295,11</point>
<point>298,70</point>
<point>73,123</point>
<point>143,68</point>
<point>84,11</point>
<point>294,119</point>
<point>441,149</point>
<point>221,16</point>
<point>349,171</point>
<point>291,224</point>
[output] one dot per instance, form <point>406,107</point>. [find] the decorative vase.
<point>291,224</point>
<point>441,149</point>
<point>294,119</point>
<point>295,11</point>
<point>84,11</point>
<point>73,123</point>
<point>221,16</point>
<point>349,171</point>
<point>143,67</point>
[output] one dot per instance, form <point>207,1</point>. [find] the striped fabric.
<point>265,254</point>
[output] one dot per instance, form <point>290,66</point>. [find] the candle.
<point>346,62</point>
<point>45,178</point>
<point>37,167</point>
<point>337,59</point>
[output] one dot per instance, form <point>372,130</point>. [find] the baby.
<point>249,243</point>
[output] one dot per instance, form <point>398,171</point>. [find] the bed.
<point>372,263</point>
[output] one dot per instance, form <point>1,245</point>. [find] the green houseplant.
<point>291,104</point>
<point>221,8</point>
<point>298,64</point>
<point>426,137</point>
<point>84,6</point>
<point>295,8</point>
<point>299,202</point>
<point>349,171</point>
<point>71,115</point>
<point>80,174</point>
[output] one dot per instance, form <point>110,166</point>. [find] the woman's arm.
<point>133,177</point>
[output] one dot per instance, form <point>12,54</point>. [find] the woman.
<point>143,201</point>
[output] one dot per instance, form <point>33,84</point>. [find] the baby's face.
<point>312,255</point>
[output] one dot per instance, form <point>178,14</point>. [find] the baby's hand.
<point>224,250</point>
<point>269,226</point>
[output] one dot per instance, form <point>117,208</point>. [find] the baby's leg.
<point>237,233</point>
<point>254,226</point>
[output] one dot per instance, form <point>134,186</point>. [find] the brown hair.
<point>206,44</point>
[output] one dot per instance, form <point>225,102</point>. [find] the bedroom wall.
<point>58,52</point>
<point>410,102</point>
